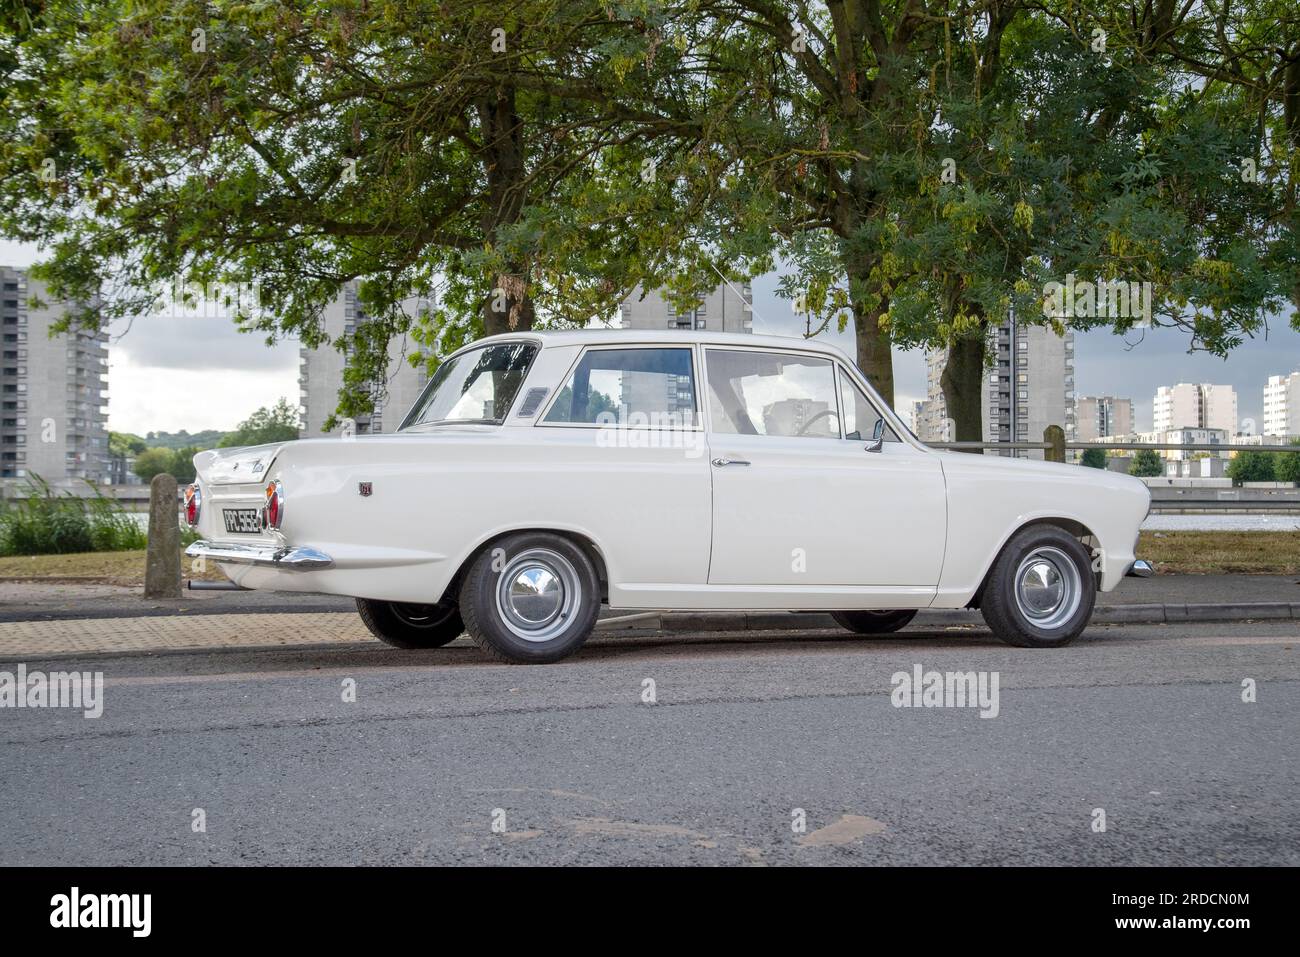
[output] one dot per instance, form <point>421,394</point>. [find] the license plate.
<point>246,520</point>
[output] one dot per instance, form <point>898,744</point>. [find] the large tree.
<point>927,167</point>
<point>1077,158</point>
<point>492,149</point>
<point>922,166</point>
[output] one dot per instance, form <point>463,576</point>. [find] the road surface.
<point>443,758</point>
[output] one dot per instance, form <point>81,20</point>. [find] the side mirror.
<point>877,437</point>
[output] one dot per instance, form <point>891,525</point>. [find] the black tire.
<point>874,622</point>
<point>410,626</point>
<point>1033,616</point>
<point>551,613</point>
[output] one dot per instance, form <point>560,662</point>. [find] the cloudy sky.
<point>168,374</point>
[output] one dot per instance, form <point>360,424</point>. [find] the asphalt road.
<point>1146,723</point>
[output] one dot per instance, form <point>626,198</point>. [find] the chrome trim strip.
<point>1140,569</point>
<point>291,558</point>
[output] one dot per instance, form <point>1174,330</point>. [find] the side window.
<point>860,416</point>
<point>639,388</point>
<point>772,393</point>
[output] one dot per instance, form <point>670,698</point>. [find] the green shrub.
<point>1146,463</point>
<point>46,523</point>
<point>1251,466</point>
<point>1288,465</point>
<point>1094,458</point>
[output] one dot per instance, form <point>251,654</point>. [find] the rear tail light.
<point>273,510</point>
<point>193,503</point>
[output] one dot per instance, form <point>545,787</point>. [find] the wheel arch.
<point>1071,526</point>
<point>582,540</point>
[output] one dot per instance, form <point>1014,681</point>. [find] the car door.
<point>797,497</point>
<point>625,460</point>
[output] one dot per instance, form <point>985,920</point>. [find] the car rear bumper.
<point>290,558</point>
<point>1140,569</point>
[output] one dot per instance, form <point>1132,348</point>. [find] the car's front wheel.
<point>1041,590</point>
<point>880,622</point>
<point>407,625</point>
<point>530,598</point>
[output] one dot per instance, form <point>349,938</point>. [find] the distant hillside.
<point>179,440</point>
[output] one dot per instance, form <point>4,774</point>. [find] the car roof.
<point>614,336</point>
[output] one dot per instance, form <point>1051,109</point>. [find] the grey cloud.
<point>199,344</point>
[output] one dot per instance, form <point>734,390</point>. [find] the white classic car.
<point>542,474</point>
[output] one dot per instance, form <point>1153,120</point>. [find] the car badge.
<point>365,488</point>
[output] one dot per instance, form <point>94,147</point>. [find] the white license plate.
<point>244,520</point>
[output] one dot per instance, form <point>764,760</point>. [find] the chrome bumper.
<point>295,558</point>
<point>1140,569</point>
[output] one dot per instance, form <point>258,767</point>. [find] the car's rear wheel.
<point>530,598</point>
<point>1041,590</point>
<point>874,622</point>
<point>408,625</point>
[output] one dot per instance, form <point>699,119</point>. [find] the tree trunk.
<point>1291,116</point>
<point>962,379</point>
<point>508,306</point>
<point>874,356</point>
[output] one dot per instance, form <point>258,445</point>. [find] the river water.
<point>1222,523</point>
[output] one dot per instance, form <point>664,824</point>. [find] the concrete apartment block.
<point>53,391</point>
<point>321,373</point>
<point>1282,405</point>
<point>1098,415</point>
<point>728,308</point>
<point>1195,406</point>
<point>1029,387</point>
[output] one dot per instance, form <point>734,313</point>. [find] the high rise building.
<point>932,422</point>
<point>1030,386</point>
<point>1195,406</point>
<point>53,393</point>
<point>321,372</point>
<point>1101,415</point>
<point>1282,405</point>
<point>728,308</point>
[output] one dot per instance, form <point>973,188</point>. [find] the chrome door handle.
<point>721,462</point>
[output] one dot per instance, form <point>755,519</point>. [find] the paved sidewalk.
<point>39,620</point>
<point>160,634</point>
<point>36,601</point>
<point>36,639</point>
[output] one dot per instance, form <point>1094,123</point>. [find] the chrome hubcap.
<point>536,594</point>
<point>1048,587</point>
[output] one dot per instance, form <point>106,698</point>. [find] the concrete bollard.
<point>162,570</point>
<point>1055,436</point>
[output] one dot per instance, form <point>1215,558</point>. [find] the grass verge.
<point>98,568</point>
<point>1222,553</point>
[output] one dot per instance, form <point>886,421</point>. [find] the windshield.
<point>475,386</point>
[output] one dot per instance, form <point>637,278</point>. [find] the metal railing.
<point>1050,444</point>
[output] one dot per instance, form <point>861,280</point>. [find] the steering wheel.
<point>809,424</point>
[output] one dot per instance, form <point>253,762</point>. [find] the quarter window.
<point>637,388</point>
<point>860,416</point>
<point>772,393</point>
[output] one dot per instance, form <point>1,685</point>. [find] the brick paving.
<point>37,638</point>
